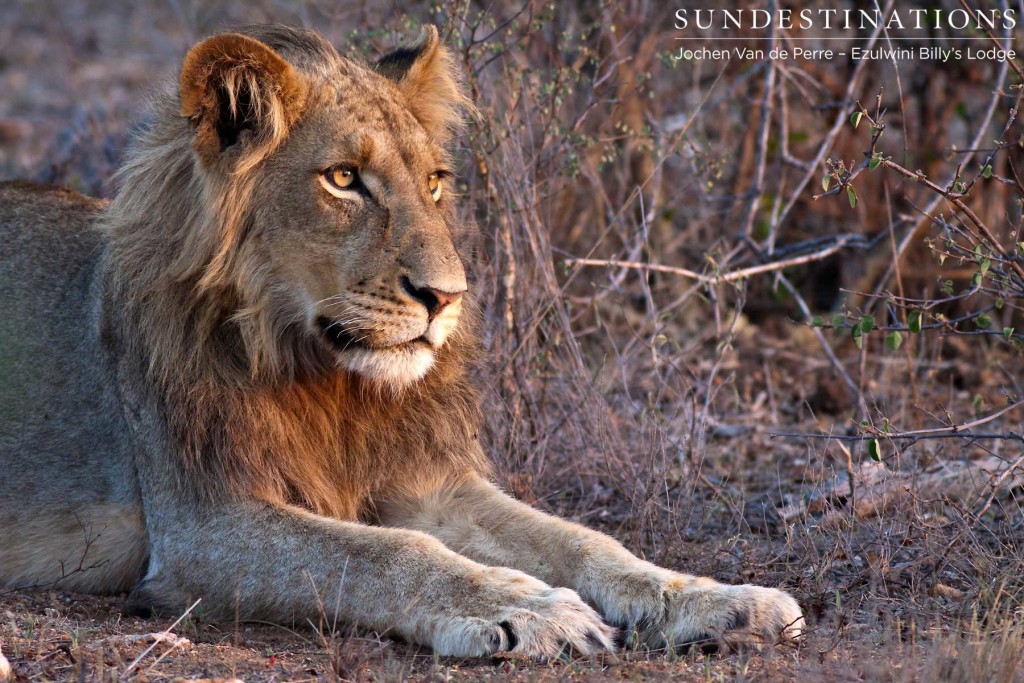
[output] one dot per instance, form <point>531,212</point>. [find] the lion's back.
<point>39,222</point>
<point>46,233</point>
<point>48,253</point>
<point>64,467</point>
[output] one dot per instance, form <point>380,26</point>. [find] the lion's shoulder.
<point>36,214</point>
<point>30,195</point>
<point>47,235</point>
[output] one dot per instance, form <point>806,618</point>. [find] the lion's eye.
<point>434,185</point>
<point>341,177</point>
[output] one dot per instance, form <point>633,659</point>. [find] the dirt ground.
<point>716,429</point>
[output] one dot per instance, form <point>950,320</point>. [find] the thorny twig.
<point>839,243</point>
<point>166,632</point>
<point>64,573</point>
<point>949,431</point>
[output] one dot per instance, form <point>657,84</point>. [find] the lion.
<point>247,379</point>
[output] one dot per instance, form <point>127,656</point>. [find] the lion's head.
<point>317,215</point>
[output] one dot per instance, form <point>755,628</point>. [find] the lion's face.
<point>354,218</point>
<point>349,239</point>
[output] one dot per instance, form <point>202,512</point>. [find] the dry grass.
<point>643,402</point>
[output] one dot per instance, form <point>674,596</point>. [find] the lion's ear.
<point>239,95</point>
<point>431,82</point>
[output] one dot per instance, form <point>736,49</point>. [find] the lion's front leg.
<point>655,606</point>
<point>659,607</point>
<point>253,560</point>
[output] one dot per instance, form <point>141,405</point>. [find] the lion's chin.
<point>393,367</point>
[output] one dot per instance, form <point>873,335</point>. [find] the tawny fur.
<point>237,383</point>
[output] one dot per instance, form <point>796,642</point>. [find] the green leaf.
<point>856,117</point>
<point>826,181</point>
<point>867,323</point>
<point>987,171</point>
<point>858,336</point>
<point>851,194</point>
<point>1008,333</point>
<point>816,321</point>
<point>893,340</point>
<point>947,288</point>
<point>875,450</point>
<point>999,303</point>
<point>985,264</point>
<point>914,320</point>
<point>876,159</point>
<point>984,320</point>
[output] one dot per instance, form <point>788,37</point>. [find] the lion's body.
<point>65,466</point>
<point>246,378</point>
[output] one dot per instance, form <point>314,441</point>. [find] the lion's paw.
<point>662,608</point>
<point>514,612</point>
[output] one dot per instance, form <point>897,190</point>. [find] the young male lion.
<point>245,379</point>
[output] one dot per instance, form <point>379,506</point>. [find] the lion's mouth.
<point>337,335</point>
<point>343,340</point>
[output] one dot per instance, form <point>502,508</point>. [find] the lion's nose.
<point>435,300</point>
